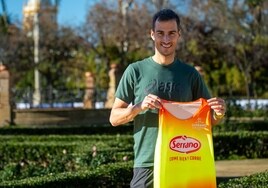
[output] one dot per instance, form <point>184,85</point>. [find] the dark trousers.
<point>142,178</point>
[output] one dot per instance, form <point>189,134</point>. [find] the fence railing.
<point>62,98</point>
<point>57,98</point>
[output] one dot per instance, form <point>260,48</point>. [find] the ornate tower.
<point>46,10</point>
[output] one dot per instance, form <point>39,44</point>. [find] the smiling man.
<point>145,83</point>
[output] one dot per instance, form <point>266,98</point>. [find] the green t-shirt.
<point>175,82</point>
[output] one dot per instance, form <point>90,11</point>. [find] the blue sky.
<point>70,12</point>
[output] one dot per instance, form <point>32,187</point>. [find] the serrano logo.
<point>184,144</point>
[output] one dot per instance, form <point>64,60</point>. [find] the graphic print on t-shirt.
<point>184,150</point>
<point>164,87</point>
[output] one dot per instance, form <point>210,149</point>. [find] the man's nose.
<point>166,38</point>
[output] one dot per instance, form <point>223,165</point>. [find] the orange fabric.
<point>184,156</point>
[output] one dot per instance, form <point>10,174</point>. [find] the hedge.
<point>66,130</point>
<point>47,156</point>
<point>259,180</point>
<point>117,175</point>
<point>110,176</point>
<point>243,144</point>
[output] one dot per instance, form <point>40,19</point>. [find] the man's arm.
<point>122,112</point>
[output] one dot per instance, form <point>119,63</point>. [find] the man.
<point>145,83</point>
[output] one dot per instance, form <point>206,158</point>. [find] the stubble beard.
<point>166,52</point>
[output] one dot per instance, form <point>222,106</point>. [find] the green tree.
<point>232,33</point>
<point>115,35</point>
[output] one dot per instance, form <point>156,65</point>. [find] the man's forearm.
<point>121,116</point>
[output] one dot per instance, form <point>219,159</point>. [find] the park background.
<point>49,63</point>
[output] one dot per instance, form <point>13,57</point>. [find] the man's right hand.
<point>151,102</point>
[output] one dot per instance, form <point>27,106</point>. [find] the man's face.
<point>166,36</point>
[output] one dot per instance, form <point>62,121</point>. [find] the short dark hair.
<point>166,15</point>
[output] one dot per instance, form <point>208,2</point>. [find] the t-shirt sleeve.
<point>125,89</point>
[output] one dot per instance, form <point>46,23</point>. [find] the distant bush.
<point>247,108</point>
<point>239,125</point>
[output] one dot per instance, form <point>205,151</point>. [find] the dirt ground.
<point>240,168</point>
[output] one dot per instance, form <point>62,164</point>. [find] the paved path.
<point>239,168</point>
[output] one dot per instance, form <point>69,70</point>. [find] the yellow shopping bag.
<point>184,156</point>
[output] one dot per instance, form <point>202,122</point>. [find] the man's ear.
<point>152,35</point>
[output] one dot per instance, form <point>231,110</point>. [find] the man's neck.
<point>163,60</point>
